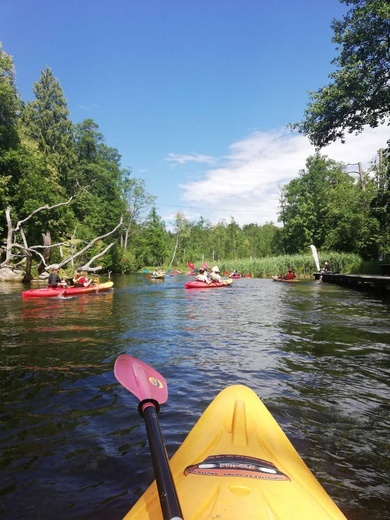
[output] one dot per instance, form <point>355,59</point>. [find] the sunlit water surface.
<point>73,445</point>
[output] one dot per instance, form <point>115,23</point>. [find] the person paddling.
<point>54,278</point>
<point>290,275</point>
<point>216,277</point>
<point>80,280</point>
<point>202,276</point>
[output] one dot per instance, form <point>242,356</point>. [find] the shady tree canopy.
<point>359,91</point>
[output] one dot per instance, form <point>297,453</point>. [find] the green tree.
<point>9,104</point>
<point>99,171</point>
<point>236,245</point>
<point>198,246</point>
<point>305,203</point>
<point>137,200</point>
<point>24,174</point>
<point>218,241</point>
<point>262,240</point>
<point>380,203</point>
<point>153,241</point>
<point>47,123</point>
<point>9,136</point>
<point>359,91</point>
<point>182,232</point>
<point>352,228</point>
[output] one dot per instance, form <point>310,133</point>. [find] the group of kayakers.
<point>208,277</point>
<point>79,280</point>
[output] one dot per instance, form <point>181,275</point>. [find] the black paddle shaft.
<point>168,497</point>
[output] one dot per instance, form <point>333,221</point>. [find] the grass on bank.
<point>303,265</point>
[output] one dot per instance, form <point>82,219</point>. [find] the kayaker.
<point>290,275</point>
<point>215,276</point>
<point>80,280</point>
<point>202,276</point>
<point>54,278</point>
<point>325,269</point>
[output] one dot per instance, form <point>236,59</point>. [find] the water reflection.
<point>73,445</point>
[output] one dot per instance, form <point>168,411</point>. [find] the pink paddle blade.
<point>140,379</point>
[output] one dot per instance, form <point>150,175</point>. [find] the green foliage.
<point>128,263</point>
<point>46,160</point>
<point>47,123</point>
<point>42,170</point>
<point>359,92</point>
<point>330,209</point>
<point>9,103</point>
<point>302,264</point>
<point>262,241</point>
<point>380,204</point>
<point>305,203</point>
<point>153,241</point>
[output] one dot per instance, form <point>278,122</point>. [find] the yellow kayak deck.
<point>237,463</point>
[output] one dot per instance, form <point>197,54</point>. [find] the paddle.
<point>190,265</point>
<point>205,265</point>
<point>151,390</point>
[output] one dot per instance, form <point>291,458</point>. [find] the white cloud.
<point>248,183</point>
<point>175,158</point>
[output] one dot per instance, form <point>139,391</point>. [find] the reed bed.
<point>302,265</point>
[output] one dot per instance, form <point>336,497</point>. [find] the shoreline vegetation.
<point>302,264</point>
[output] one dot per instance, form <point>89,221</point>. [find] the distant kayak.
<point>235,276</point>
<point>51,292</point>
<point>277,279</point>
<point>196,284</point>
<point>237,463</point>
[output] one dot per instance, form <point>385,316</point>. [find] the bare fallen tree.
<point>19,254</point>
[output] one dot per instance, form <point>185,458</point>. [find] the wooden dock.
<point>361,282</point>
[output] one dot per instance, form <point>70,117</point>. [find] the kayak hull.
<point>237,463</point>
<point>51,292</point>
<point>203,285</point>
<point>276,279</point>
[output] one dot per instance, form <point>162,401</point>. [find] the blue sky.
<point>195,95</point>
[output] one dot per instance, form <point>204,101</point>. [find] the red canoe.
<point>196,284</point>
<point>51,292</point>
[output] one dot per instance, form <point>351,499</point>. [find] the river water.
<point>73,445</point>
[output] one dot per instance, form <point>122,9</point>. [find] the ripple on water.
<point>74,445</point>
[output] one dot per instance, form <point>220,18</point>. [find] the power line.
<point>214,209</point>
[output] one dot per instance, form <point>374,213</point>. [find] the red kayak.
<point>277,279</point>
<point>51,292</point>
<point>196,284</point>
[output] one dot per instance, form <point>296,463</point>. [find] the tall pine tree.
<point>48,124</point>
